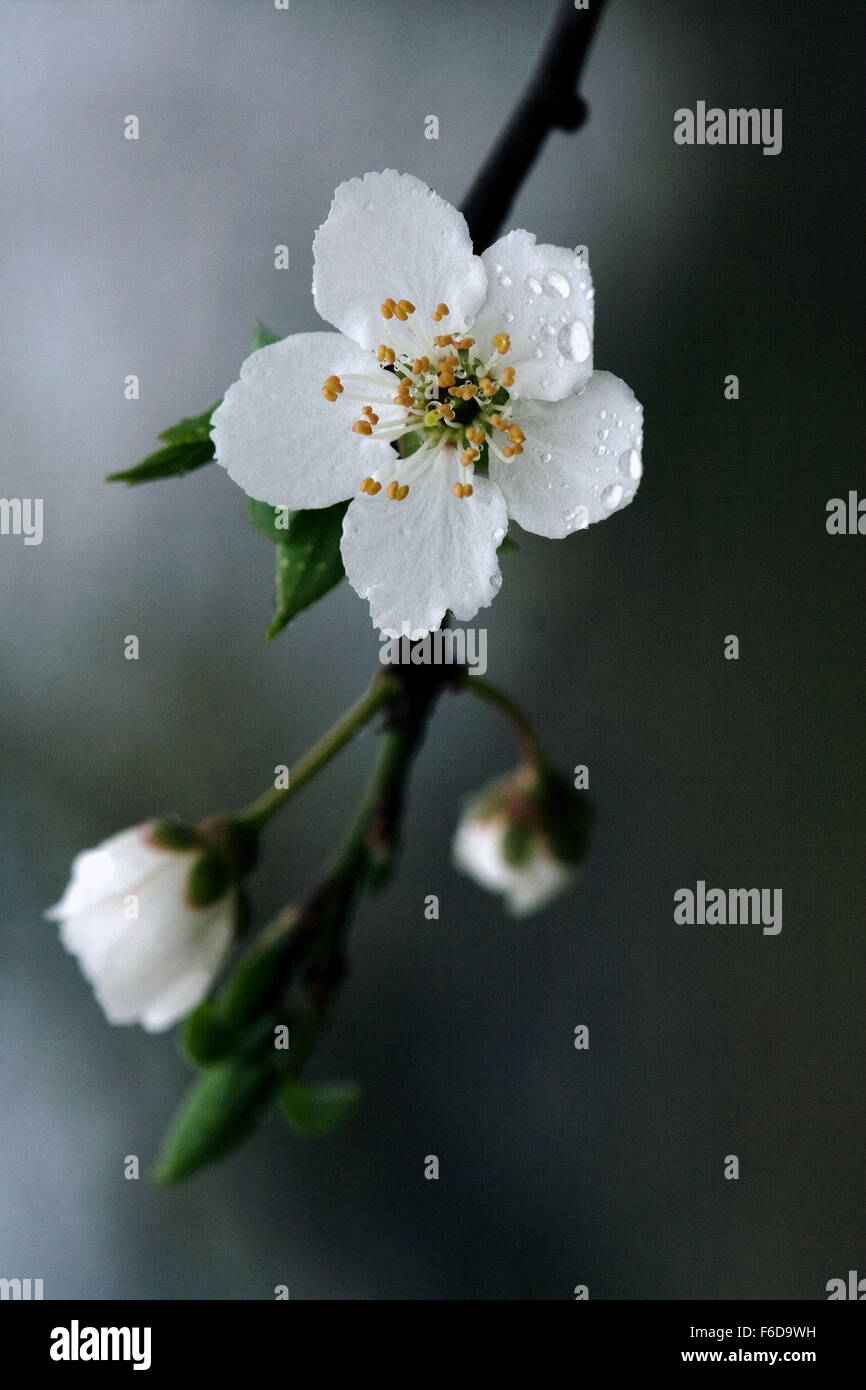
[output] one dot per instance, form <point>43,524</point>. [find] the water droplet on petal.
<point>545,382</point>
<point>538,353</point>
<point>602,415</point>
<point>577,519</point>
<point>498,268</point>
<point>611,497</point>
<point>533,285</point>
<point>630,464</point>
<point>505,281</point>
<point>560,360</point>
<point>602,434</point>
<point>496,581</point>
<point>554,284</point>
<point>545,458</point>
<point>573,341</point>
<point>499,535</point>
<point>509,317</point>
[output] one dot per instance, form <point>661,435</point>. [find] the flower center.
<point>453,404</point>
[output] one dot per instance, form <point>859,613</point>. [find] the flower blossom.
<point>149,930</point>
<point>457,393</point>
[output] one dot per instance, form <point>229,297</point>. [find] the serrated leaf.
<point>191,429</point>
<point>316,1110</point>
<point>262,336</point>
<point>221,1110</point>
<point>307,563</point>
<point>174,461</point>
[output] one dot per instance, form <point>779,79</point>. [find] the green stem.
<point>517,717</point>
<point>381,691</point>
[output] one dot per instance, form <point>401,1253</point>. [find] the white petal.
<point>115,866</point>
<point>433,551</point>
<point>389,236</point>
<point>478,851</point>
<point>282,441</point>
<point>548,294</point>
<point>90,935</point>
<point>166,960</point>
<point>581,459</point>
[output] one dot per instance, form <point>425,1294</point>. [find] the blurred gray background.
<point>155,257</point>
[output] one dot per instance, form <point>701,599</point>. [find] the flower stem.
<point>382,690</point>
<point>517,717</point>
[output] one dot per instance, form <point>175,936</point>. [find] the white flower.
<point>126,916</point>
<point>524,837</point>
<point>480,851</point>
<point>461,361</point>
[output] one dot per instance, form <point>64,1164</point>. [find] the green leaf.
<point>206,1037</point>
<point>263,337</point>
<point>221,1110</point>
<point>191,429</point>
<point>308,562</point>
<point>316,1110</point>
<point>507,546</point>
<point>173,461</point>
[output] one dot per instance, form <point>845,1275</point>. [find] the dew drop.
<point>550,330</point>
<point>538,353</point>
<point>509,317</point>
<point>630,464</point>
<point>577,520</point>
<point>560,360</point>
<point>505,281</point>
<point>496,581</point>
<point>545,383</point>
<point>602,435</point>
<point>498,268</point>
<point>573,341</point>
<point>602,415</point>
<point>611,497</point>
<point>532,285</point>
<point>554,284</point>
<point>545,458</point>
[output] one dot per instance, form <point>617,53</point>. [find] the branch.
<point>550,102</point>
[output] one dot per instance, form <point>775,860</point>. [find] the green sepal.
<point>516,844</point>
<point>314,1110</point>
<point>507,546</point>
<point>411,442</point>
<point>252,987</point>
<point>172,834</point>
<point>206,1037</point>
<point>568,816</point>
<point>219,1113</point>
<point>208,880</point>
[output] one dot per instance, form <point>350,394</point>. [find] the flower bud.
<point>524,837</point>
<point>149,915</point>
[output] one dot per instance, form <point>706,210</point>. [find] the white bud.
<point>479,850</point>
<point>154,968</point>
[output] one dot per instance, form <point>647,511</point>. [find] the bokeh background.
<point>557,1167</point>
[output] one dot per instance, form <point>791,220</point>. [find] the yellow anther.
<point>385,354</point>
<point>334,383</point>
<point>462,343</point>
<point>508,376</point>
<point>392,489</point>
<point>440,312</point>
<point>329,395</point>
<point>468,456</point>
<point>366,484</point>
<point>402,493</point>
<point>498,423</point>
<point>511,449</point>
<point>487,386</point>
<point>370,414</point>
<point>501,342</point>
<point>476,435</point>
<point>515,434</point>
<point>457,489</point>
<point>444,380</point>
<point>362,427</point>
<point>467,489</point>
<point>400,313</point>
<point>373,489</point>
<point>386,311</point>
<point>407,306</point>
<point>443,340</point>
<point>421,364</point>
<point>447,411</point>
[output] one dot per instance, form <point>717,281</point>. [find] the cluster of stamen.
<point>448,395</point>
